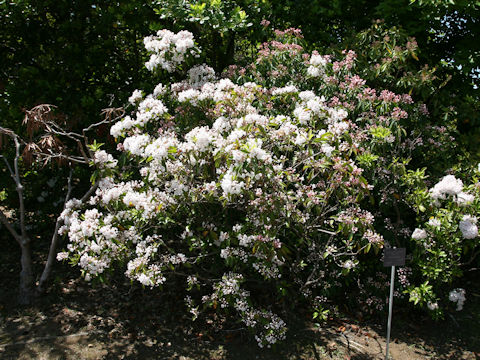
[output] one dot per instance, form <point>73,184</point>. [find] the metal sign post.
<point>392,257</point>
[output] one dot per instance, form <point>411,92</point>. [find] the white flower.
<point>432,306</point>
<point>434,222</point>
<point>190,95</point>
<point>449,185</point>
<point>104,160</point>
<point>338,114</point>
<point>160,89</point>
<point>468,227</point>
<point>230,186</point>
<point>145,280</point>
<point>349,264</point>
<point>200,75</point>
<point>464,199</point>
<point>318,60</point>
<point>419,234</point>
<point>200,137</point>
<point>314,71</point>
<point>306,95</point>
<point>327,149</point>
<point>168,49</point>
<point>62,256</point>
<point>285,90</point>
<point>136,144</point>
<point>136,96</point>
<point>303,115</point>
<point>457,296</point>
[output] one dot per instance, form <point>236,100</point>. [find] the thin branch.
<point>82,151</point>
<point>474,255</point>
<point>324,231</point>
<point>12,174</point>
<point>108,117</point>
<point>9,227</point>
<point>71,158</point>
<point>89,192</point>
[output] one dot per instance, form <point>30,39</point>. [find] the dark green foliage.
<point>79,55</point>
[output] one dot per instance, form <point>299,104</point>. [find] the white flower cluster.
<point>150,109</point>
<point>200,75</point>
<point>419,234</point>
<point>135,97</point>
<point>290,89</point>
<point>434,222</point>
<point>169,49</point>
<point>457,296</point>
<point>91,239</point>
<point>450,185</point>
<point>141,268</point>
<point>317,65</point>
<point>104,160</point>
<point>468,227</point>
<point>159,90</point>
<point>228,292</point>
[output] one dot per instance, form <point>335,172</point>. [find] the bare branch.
<point>69,158</point>
<point>6,223</point>
<point>12,174</point>
<point>82,151</point>
<point>89,192</point>
<point>110,115</point>
<point>474,255</point>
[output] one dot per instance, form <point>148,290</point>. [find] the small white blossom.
<point>136,96</point>
<point>434,222</point>
<point>457,296</point>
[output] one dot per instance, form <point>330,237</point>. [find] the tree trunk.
<point>26,275</point>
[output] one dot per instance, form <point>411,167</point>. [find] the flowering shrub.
<point>256,190</point>
<point>447,241</point>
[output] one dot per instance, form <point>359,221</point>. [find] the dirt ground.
<point>117,323</point>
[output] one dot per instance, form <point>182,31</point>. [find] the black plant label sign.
<point>394,257</point>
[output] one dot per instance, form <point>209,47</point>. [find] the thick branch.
<point>53,244</point>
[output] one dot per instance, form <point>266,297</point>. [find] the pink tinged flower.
<point>62,256</point>
<point>349,264</point>
<point>419,234</point>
